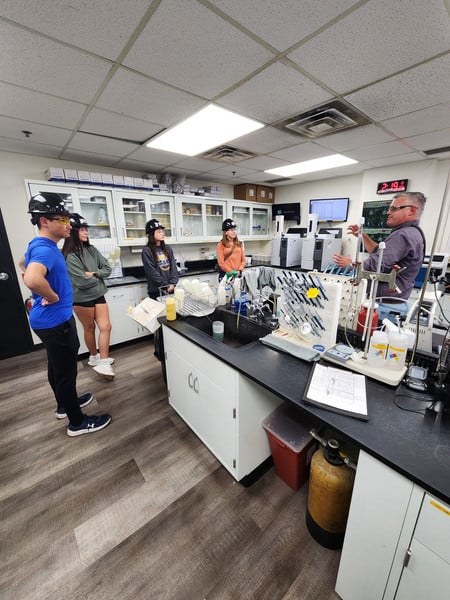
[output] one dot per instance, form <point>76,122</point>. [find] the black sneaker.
<point>89,424</point>
<point>84,400</point>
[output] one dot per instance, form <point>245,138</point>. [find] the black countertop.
<point>415,445</point>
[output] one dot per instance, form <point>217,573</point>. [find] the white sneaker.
<point>95,359</point>
<point>104,369</point>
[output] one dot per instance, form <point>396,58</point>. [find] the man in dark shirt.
<point>405,247</point>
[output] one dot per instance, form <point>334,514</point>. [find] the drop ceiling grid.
<point>233,52</point>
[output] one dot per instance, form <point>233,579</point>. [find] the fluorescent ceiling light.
<point>206,129</point>
<point>316,164</point>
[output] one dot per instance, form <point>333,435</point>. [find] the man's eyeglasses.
<point>396,208</point>
<point>62,220</point>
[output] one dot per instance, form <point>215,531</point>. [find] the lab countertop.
<point>415,445</point>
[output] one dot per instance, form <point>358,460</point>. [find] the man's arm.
<point>369,244</point>
<point>34,279</point>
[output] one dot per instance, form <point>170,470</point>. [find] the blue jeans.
<point>61,343</point>
<point>390,311</point>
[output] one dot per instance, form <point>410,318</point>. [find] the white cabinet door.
<point>123,327</point>
<point>162,208</point>
<point>427,573</point>
<point>131,209</point>
<point>199,220</point>
<point>379,503</point>
<point>203,391</point>
<point>254,220</point>
<point>94,204</point>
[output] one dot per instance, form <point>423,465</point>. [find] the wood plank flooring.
<point>141,510</point>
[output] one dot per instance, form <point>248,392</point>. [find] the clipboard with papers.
<point>337,390</point>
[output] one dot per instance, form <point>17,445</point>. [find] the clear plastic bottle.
<point>396,354</point>
<point>376,357</point>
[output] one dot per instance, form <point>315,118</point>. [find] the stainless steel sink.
<point>238,333</point>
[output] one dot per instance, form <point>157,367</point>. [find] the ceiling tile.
<point>89,158</point>
<point>430,141</point>
<point>27,147</point>
<point>257,96</point>
<point>232,171</point>
<point>378,151</point>
<point>190,47</point>
<point>305,151</point>
<point>96,144</point>
<point>262,162</point>
<point>388,36</point>
<point>282,24</point>
<point>84,24</point>
<point>420,121</point>
<point>116,125</point>
<point>395,160</point>
<point>33,61</point>
<point>137,165</point>
<point>143,98</point>
<point>40,134</point>
<point>197,164</point>
<point>417,88</point>
<point>354,138</point>
<point>156,156</point>
<point>266,140</point>
<point>24,104</point>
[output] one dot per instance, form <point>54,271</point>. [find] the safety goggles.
<point>62,220</point>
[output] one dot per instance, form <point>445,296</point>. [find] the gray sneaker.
<point>94,360</point>
<point>89,424</point>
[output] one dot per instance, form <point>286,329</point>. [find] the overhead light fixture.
<point>206,129</point>
<point>316,164</point>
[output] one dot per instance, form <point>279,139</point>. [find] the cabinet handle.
<point>190,380</point>
<point>196,385</point>
<point>407,557</point>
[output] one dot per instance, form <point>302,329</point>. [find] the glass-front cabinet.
<point>134,209</point>
<point>163,208</point>
<point>199,220</point>
<point>253,220</point>
<point>94,204</point>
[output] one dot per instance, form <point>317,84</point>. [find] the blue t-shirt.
<point>46,252</point>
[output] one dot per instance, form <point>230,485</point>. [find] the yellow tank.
<point>329,495</point>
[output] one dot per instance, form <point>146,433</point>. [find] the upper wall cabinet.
<point>199,220</point>
<point>94,204</point>
<point>253,220</point>
<point>134,209</point>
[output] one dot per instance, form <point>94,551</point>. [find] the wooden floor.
<point>141,510</point>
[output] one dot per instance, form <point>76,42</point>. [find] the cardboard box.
<point>265,194</point>
<point>118,181</point>
<point>71,175</point>
<point>128,182</point>
<point>107,179</point>
<point>96,178</point>
<point>84,177</point>
<point>245,191</point>
<point>54,174</point>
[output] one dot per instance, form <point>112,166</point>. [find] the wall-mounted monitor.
<point>290,211</point>
<point>329,209</point>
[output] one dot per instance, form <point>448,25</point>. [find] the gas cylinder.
<point>329,494</point>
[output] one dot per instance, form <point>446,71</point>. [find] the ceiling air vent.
<point>324,120</point>
<point>227,154</point>
<point>280,180</point>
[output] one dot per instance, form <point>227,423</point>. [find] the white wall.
<point>429,177</point>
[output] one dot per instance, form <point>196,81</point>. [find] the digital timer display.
<point>392,187</point>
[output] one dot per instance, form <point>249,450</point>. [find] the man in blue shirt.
<point>51,316</point>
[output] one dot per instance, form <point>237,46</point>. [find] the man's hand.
<point>342,261</point>
<point>353,229</point>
